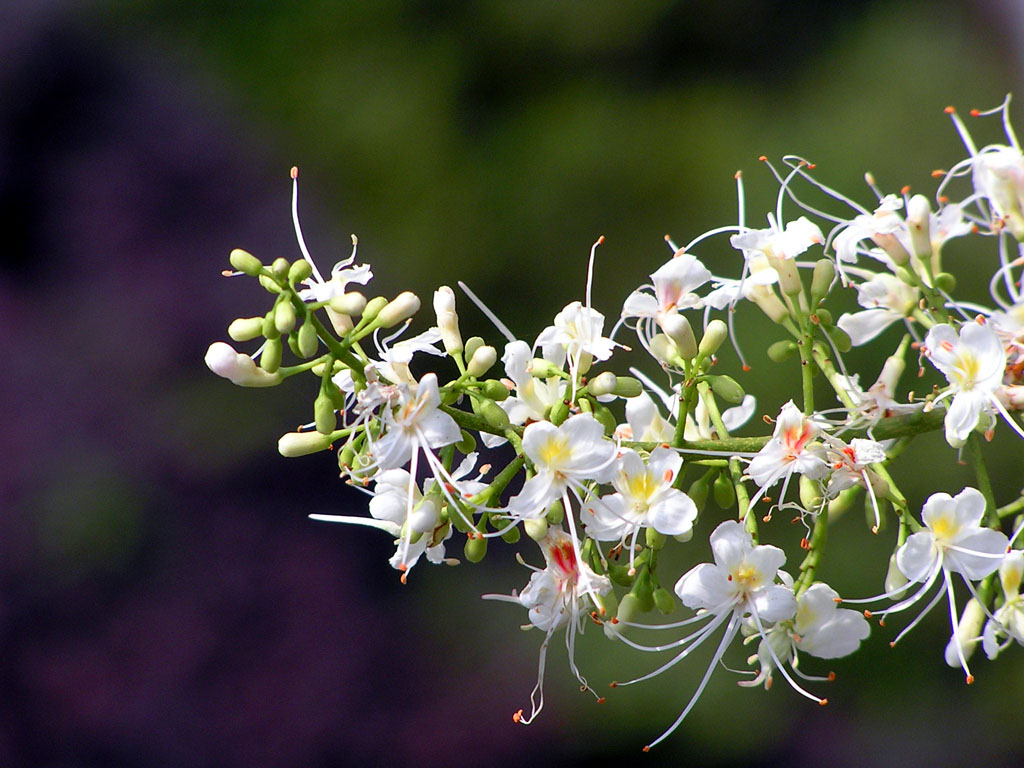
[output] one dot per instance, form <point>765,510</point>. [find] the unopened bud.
<point>494,389</point>
<point>945,282</point>
<point>602,384</point>
<point>678,328</point>
<point>295,444</point>
<point>246,328</point>
<point>299,271</point>
<point>323,413</point>
<point>245,262</point>
<point>824,317</point>
<point>472,344</point>
<point>270,358</point>
<point>968,633</point>
<point>724,491</point>
<point>714,336</point>
<point>605,417</point>
<point>664,601</point>
<point>467,443</point>
<point>280,266</point>
<point>727,388</point>
<point>895,581</point>
<point>789,276</point>
<point>269,326</point>
<point>840,338</point>
<point>664,349</point>
<point>699,491</point>
<point>493,414</point>
<point>781,351</point>
<point>483,358</point>
<point>654,538</point>
<point>239,369</point>
<point>627,386</point>
<point>373,308</point>
<point>810,494</point>
<point>511,536</point>
<point>892,247</point>
<point>307,341</point>
<point>475,549</point>
<point>556,513</point>
<point>821,279</point>
<point>284,316</point>
<point>536,527</point>
<point>447,320</point>
<point>402,307</point>
<point>919,214</point>
<point>350,303</point>
<point>542,368</point>
<point>269,283</point>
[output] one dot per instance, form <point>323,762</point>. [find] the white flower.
<point>850,465</point>
<point>578,330</point>
<point>557,596</point>
<point>222,359</point>
<point>1008,620</point>
<point>788,243</point>
<point>534,396</point>
<point>645,498</point>
<point>973,362</point>
<point>886,299</point>
<point>999,177</point>
<point>790,451</point>
<point>674,284</point>
<point>415,423</point>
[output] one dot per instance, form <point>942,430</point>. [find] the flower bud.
<point>821,279</point>
<point>945,282</point>
<point>472,344</point>
<point>284,316</point>
<point>323,413</point>
<point>280,266</point>
<point>664,601</point>
<point>895,581</point>
<point>824,317</point>
<point>483,358</point>
<point>968,633</point>
<point>307,340</point>
<point>447,319</point>
<point>467,444</point>
<point>664,349</point>
<point>605,418</point>
<point>919,214</point>
<point>269,326</point>
<point>475,549</point>
<point>299,271</point>
<point>678,328</point>
<point>246,328</point>
<point>699,491</point>
<point>893,248</point>
<point>627,386</point>
<point>781,351</point>
<point>270,359</point>
<point>350,303</point>
<point>543,369</point>
<point>426,515</point>
<point>239,369</point>
<point>810,494</point>
<point>294,444</point>
<point>492,413</point>
<point>536,527</point>
<point>245,262</point>
<point>714,336</point>
<point>724,491</point>
<point>727,388</point>
<point>511,536</point>
<point>602,384</point>
<point>556,513</point>
<point>840,338</point>
<point>402,307</point>
<point>268,283</point>
<point>769,303</point>
<point>789,276</point>
<point>373,308</point>
<point>654,538</point>
<point>494,389</point>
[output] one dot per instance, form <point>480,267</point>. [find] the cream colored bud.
<point>424,518</point>
<point>483,358</point>
<point>472,344</point>
<point>246,328</point>
<point>769,303</point>
<point>919,214</point>
<point>968,633</point>
<point>349,303</point>
<point>444,300</point>
<point>239,369</point>
<point>602,384</point>
<point>789,276</point>
<point>678,328</point>
<point>895,581</point>
<point>447,320</point>
<point>664,349</point>
<point>245,262</point>
<point>294,444</point>
<point>893,247</point>
<point>714,336</point>
<point>402,307</point>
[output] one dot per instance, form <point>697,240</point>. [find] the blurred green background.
<point>169,603</point>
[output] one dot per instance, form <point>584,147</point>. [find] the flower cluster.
<point>604,470</point>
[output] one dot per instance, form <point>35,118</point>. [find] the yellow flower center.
<point>555,451</point>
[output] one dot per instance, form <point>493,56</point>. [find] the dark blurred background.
<point>164,600</point>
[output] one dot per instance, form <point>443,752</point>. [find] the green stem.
<point>815,548</point>
<point>977,462</point>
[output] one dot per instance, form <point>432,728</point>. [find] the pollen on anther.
<point>975,113</point>
<point>867,614</point>
<point>600,700</point>
<point>295,172</point>
<point>831,677</point>
<point>823,702</point>
<point>517,716</point>
<point>746,368</point>
<point>763,158</point>
<point>613,685</point>
<point>949,110</point>
<point>970,679</point>
<point>837,600</point>
<point>905,190</point>
<point>600,239</point>
<point>647,748</point>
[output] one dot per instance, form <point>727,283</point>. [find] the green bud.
<point>629,608</point>
<point>726,388</point>
<point>269,327</point>
<point>299,271</point>
<point>840,338</point>
<point>664,349</point>
<point>494,389</point>
<point>821,280</point>
<point>643,590</point>
<point>841,503</point>
<point>352,303</point>
<point>308,341</point>
<point>620,575</point>
<point>492,413</point>
<point>684,537</point>
<point>475,549</point>
<point>295,444</point>
<point>810,493</point>
<point>699,492</point>
<point>280,267</point>
<point>336,395</point>
<point>781,351</point>
<point>605,417</point>
<point>627,386</point>
<point>293,344</point>
<point>323,413</point>
<point>556,513</point>
<point>724,490</point>
<point>245,262</point>
<point>345,457</point>
<point>945,282</point>
<point>511,536</point>
<point>907,276</point>
<point>467,444</point>
<point>894,579</point>
<point>714,336</point>
<point>373,308</point>
<point>655,540</point>
<point>536,528</point>
<point>284,316</point>
<point>246,328</point>
<point>664,601</point>
<point>457,519</point>
<point>824,317</point>
<point>472,345</point>
<point>270,359</point>
<point>542,368</point>
<point>559,412</point>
